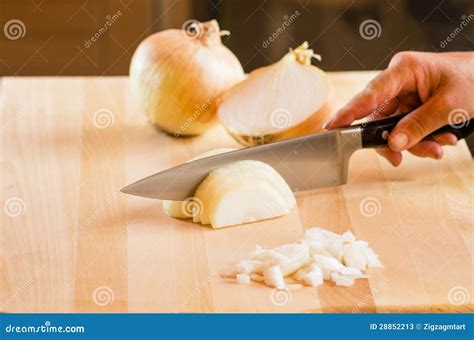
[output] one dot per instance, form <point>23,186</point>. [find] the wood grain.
<point>76,244</point>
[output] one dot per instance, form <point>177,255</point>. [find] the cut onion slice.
<point>180,209</point>
<point>240,192</point>
<point>243,192</point>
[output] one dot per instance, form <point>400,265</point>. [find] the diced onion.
<point>321,255</point>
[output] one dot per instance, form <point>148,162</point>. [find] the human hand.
<point>436,89</point>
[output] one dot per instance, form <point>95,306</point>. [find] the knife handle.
<point>375,134</point>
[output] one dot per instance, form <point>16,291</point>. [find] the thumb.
<point>420,123</point>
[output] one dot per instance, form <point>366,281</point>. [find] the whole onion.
<point>176,76</point>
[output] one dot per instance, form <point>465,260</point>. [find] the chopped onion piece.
<point>348,236</point>
<point>313,278</point>
<point>372,259</point>
<point>315,246</point>
<point>269,257</point>
<point>354,255</point>
<point>328,265</point>
<point>299,275</point>
<point>289,257</point>
<point>335,248</point>
<point>243,279</point>
<point>273,277</point>
<point>350,271</point>
<point>342,280</point>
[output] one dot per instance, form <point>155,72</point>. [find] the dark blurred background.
<point>52,37</point>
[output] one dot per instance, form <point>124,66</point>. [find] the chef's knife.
<point>309,162</point>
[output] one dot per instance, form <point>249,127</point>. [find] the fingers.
<point>395,158</point>
<point>419,124</point>
<point>430,147</point>
<point>446,139</point>
<point>427,148</point>
<point>380,91</point>
<point>387,108</point>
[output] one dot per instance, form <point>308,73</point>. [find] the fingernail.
<point>399,141</point>
<point>453,142</point>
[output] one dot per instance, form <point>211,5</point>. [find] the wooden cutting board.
<point>71,242</point>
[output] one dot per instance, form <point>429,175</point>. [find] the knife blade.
<point>308,162</point>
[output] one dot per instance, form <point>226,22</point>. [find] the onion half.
<point>279,101</point>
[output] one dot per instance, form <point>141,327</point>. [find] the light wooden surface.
<point>76,244</point>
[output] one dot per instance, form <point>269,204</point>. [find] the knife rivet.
<point>385,135</point>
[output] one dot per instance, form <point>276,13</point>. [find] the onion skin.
<point>176,79</point>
